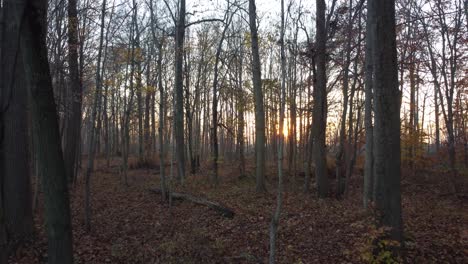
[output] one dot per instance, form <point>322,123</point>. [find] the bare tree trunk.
<point>258,98</point>
<point>139,88</point>
<point>353,130</point>
<point>15,182</point>
<point>369,147</point>
<point>148,105</point>
<point>3,233</point>
<point>105,115</point>
<point>179,93</point>
<point>162,120</point>
<point>162,111</point>
<point>72,132</point>
<point>45,126</point>
<point>340,155</point>
<point>279,198</point>
<point>387,120</point>
<point>320,103</point>
<point>93,131</point>
<point>188,112</point>
<point>412,113</point>
<point>241,114</point>
<point>310,129</point>
<point>214,138</point>
<point>436,117</point>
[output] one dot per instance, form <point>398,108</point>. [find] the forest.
<point>233,131</point>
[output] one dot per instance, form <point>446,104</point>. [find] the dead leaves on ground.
<point>130,225</point>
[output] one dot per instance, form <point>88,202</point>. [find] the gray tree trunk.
<point>279,197</point>
<point>73,127</point>
<point>241,113</point>
<point>15,184</point>
<point>179,93</point>
<point>162,120</point>
<point>93,131</point>
<point>320,103</point>
<point>162,111</point>
<point>3,233</point>
<point>387,119</point>
<point>340,155</point>
<point>258,98</point>
<point>369,147</point>
<point>45,126</point>
<point>214,109</point>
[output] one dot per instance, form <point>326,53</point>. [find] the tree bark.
<point>279,197</point>
<point>241,113</point>
<point>258,98</point>
<point>93,131</point>
<point>72,132</point>
<point>3,233</point>
<point>320,103</point>
<point>369,147</point>
<point>341,153</point>
<point>387,120</point>
<point>179,93</point>
<point>45,126</point>
<point>15,184</point>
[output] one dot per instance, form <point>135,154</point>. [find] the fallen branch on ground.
<point>226,212</point>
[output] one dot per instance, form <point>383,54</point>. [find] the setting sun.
<point>285,129</point>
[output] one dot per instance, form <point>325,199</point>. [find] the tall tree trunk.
<point>93,131</point>
<point>215,100</point>
<point>179,94</point>
<point>369,147</point>
<point>139,87</point>
<point>352,136</point>
<point>436,118</point>
<point>162,111</point>
<point>258,98</point>
<point>320,103</point>
<point>162,119</point>
<point>241,113</point>
<point>15,184</point>
<point>3,233</point>
<point>310,131</point>
<point>279,197</point>
<point>45,126</point>
<point>105,115</point>
<point>148,96</point>
<point>387,119</point>
<point>412,114</point>
<point>341,153</point>
<point>72,132</point>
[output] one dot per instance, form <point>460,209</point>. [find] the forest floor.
<point>132,225</point>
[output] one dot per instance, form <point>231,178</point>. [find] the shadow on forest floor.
<point>133,225</point>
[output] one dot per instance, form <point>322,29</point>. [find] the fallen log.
<point>224,211</point>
